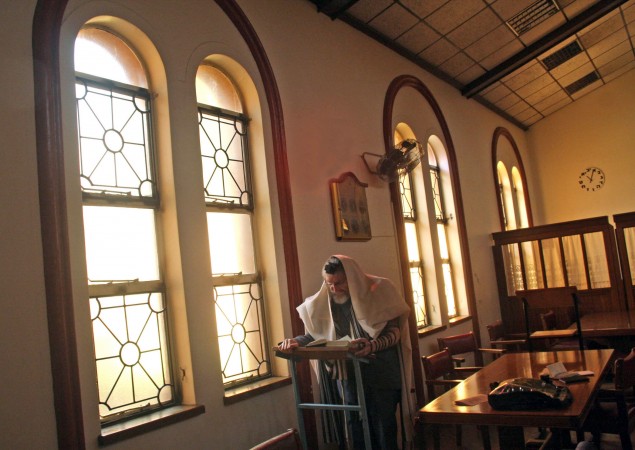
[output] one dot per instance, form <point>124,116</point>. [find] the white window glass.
<point>239,322</point>
<point>449,291</point>
<point>130,351</point>
<point>120,244</point>
<point>214,88</point>
<point>100,53</point>
<point>416,279</point>
<point>443,243</point>
<point>412,241</point>
<point>231,246</point>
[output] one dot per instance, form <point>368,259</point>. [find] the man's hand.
<point>360,347</point>
<point>288,345</point>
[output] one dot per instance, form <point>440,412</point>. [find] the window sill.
<point>459,319</point>
<point>430,330</point>
<point>134,427</point>
<point>238,394</point>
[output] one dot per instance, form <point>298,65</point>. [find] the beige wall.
<point>599,131</point>
<point>332,82</point>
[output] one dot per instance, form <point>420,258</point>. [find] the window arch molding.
<point>502,132</point>
<point>397,84</point>
<point>46,30</point>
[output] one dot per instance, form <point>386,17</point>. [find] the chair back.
<point>460,344</point>
<point>436,366</point>
<point>625,371</point>
<point>496,331</point>
<point>289,440</point>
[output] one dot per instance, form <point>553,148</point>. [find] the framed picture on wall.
<point>350,208</point>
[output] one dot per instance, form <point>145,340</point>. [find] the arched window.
<point>121,203</point>
<point>513,200</point>
<point>428,233</point>
<point>231,216</point>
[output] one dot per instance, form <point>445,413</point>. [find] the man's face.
<point>337,284</point>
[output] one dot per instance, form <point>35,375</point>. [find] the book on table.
<point>343,342</point>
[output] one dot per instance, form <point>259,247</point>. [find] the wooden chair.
<point>548,314</point>
<point>464,344</point>
<point>289,440</point>
<point>440,371</point>
<point>498,338</point>
<point>614,410</point>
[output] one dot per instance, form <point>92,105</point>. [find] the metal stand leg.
<point>361,400</point>
<point>360,407</point>
<point>296,393</point>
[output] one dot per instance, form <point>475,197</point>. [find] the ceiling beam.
<point>567,30</point>
<point>333,8</point>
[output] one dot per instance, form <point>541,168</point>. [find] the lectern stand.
<point>327,353</point>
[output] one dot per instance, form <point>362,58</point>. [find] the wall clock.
<point>591,179</point>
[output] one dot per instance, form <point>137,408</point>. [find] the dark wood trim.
<point>504,132</point>
<point>622,221</point>
<point>283,184</point>
<point>552,230</point>
<point>47,21</point>
<point>395,86</point>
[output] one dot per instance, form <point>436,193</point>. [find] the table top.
<point>521,365</point>
<point>611,323</point>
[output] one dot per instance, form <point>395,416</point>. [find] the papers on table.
<point>557,371</point>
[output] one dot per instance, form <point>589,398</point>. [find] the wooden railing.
<point>581,253</point>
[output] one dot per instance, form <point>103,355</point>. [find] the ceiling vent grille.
<point>532,15</point>
<point>582,83</point>
<point>561,56</point>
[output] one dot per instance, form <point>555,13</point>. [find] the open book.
<point>343,342</point>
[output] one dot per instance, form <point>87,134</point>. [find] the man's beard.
<point>340,298</point>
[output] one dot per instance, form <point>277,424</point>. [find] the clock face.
<point>591,179</point>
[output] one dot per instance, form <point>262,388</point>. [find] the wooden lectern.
<point>327,353</point>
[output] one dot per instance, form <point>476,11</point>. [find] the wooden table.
<point>607,324</point>
<point>443,410</point>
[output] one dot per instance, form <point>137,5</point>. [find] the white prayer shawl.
<point>375,301</point>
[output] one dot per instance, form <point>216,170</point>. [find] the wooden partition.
<point>581,253</point>
<point>625,236</point>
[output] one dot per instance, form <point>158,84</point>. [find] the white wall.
<point>332,83</point>
<point>25,379</point>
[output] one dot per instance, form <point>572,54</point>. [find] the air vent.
<point>582,83</point>
<point>532,16</point>
<point>564,54</point>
